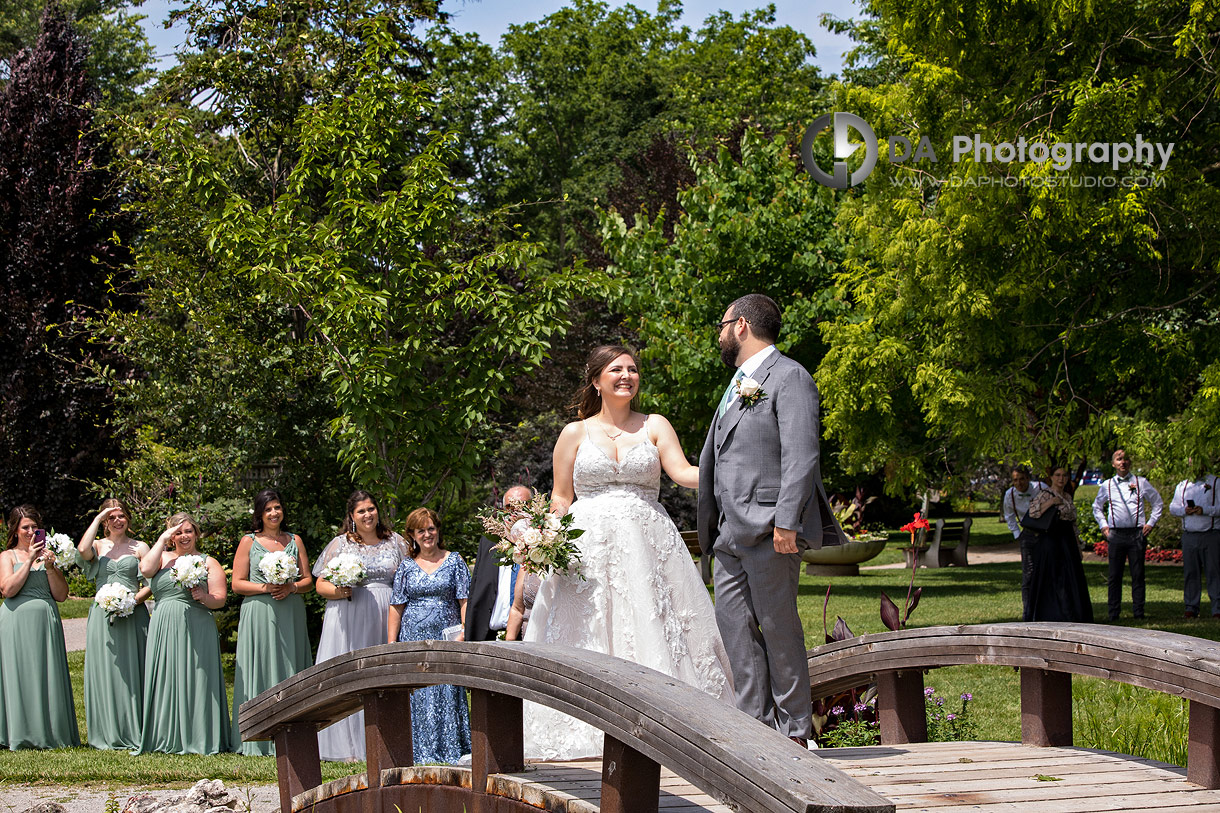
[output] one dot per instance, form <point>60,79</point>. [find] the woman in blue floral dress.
<point>430,590</point>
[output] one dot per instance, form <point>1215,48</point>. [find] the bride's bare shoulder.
<point>572,433</point>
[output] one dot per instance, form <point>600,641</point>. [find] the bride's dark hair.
<point>588,401</point>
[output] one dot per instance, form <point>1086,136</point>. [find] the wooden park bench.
<point>937,553</point>
<point>691,538</point>
<point>1047,656</point>
<point>650,720</point>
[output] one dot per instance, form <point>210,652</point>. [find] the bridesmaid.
<point>36,707</point>
<point>186,710</point>
<point>114,652</point>
<point>272,641</point>
<point>430,591</point>
<point>360,622</point>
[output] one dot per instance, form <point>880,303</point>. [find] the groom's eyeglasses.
<point>720,325</point>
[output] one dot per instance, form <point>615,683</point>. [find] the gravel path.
<point>19,798</point>
<point>74,633</point>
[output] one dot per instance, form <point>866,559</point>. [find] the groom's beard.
<point>729,348</point>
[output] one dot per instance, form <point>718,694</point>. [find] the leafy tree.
<point>757,224</point>
<point>1016,310</point>
<point>59,263</point>
<point>119,56</point>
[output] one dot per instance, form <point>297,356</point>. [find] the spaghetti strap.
<point>585,421</point>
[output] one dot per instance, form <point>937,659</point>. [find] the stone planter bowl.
<point>841,560</point>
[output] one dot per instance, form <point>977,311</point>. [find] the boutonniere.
<point>1132,487</point>
<point>1206,487</point>
<point>749,391</point>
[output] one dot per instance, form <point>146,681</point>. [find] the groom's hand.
<point>785,540</point>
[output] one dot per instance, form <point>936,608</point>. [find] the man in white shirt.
<point>1127,508</point>
<point>1017,497</point>
<point>1195,502</point>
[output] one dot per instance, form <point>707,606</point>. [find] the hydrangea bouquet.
<point>63,548</point>
<point>345,570</point>
<point>190,571</point>
<point>116,600</point>
<point>279,567</point>
<point>533,537</point>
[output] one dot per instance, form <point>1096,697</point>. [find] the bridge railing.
<point>1047,655</point>
<point>649,721</point>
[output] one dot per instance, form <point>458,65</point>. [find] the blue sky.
<point>490,18</point>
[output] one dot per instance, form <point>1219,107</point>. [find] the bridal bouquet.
<point>279,567</point>
<point>345,570</point>
<point>116,600</point>
<point>535,538</point>
<point>63,548</point>
<point>190,571</point>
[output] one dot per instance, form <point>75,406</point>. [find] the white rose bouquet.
<point>279,567</point>
<point>116,600</point>
<point>63,548</point>
<point>190,571</point>
<point>533,537</point>
<point>345,570</point>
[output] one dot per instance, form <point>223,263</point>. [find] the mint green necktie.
<point>728,393</point>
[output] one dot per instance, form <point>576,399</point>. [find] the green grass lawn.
<point>1106,715</point>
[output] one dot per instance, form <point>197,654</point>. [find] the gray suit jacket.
<point>761,467</point>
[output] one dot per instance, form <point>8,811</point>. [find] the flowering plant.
<point>848,730</point>
<point>533,537</point>
<point>750,391</point>
<point>116,600</point>
<point>345,570</point>
<point>279,567</point>
<point>917,524</point>
<point>63,548</point>
<point>948,726</point>
<point>190,571</point>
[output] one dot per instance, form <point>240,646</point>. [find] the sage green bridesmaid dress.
<point>36,707</point>
<point>114,660</point>
<point>272,645</point>
<point>185,707</point>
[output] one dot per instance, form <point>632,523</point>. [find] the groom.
<point>761,502</point>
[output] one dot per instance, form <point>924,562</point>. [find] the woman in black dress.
<point>1054,575</point>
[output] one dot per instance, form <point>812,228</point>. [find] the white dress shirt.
<point>1203,492</point>
<point>1127,499</point>
<point>1016,503</point>
<point>750,366</point>
<point>504,598</point>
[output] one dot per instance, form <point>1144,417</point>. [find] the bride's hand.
<point>559,506</point>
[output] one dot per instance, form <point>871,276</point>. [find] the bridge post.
<point>496,741</point>
<point>900,707</point>
<point>631,782</point>
<point>1203,746</point>
<point>387,733</point>
<point>297,765</point>
<point>1046,707</point>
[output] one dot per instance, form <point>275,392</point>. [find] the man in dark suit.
<point>491,584</point>
<point>761,502</point>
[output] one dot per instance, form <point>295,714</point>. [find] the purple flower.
<point>950,716</point>
<point>837,710</point>
<point>940,701</point>
<point>860,707</point>
<point>928,692</point>
<point>967,696</point>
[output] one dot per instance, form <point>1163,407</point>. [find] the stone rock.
<point>47,807</point>
<point>205,796</point>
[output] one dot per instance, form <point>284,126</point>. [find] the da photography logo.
<point>841,123</point>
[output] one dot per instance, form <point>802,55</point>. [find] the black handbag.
<point>1042,523</point>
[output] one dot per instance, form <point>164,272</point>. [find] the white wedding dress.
<point>641,600</point>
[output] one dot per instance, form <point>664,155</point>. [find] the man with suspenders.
<point>1127,508</point>
<point>1195,502</point>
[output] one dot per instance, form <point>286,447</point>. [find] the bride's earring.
<point>598,391</point>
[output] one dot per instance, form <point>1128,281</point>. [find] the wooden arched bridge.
<point>670,747</point>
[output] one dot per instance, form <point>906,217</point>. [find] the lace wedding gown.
<point>642,598</point>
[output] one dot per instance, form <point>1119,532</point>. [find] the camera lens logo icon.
<point>841,123</point>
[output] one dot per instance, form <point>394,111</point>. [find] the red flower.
<point>917,524</point>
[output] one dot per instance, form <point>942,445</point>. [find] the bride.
<point>642,598</point>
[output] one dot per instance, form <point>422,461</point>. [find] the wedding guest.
<point>186,709</point>
<point>524,594</point>
<point>115,648</point>
<point>36,707</point>
<point>1017,497</point>
<point>492,584</point>
<point>1127,508</point>
<point>272,639</point>
<point>1054,580</point>
<point>353,624</point>
<point>1195,502</point>
<point>430,590</point>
